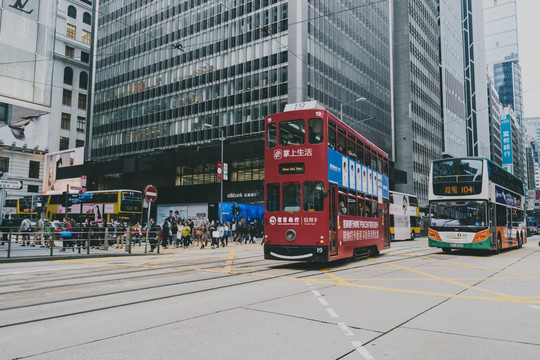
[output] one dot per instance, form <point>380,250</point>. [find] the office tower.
<point>173,79</point>
<point>502,57</point>
<point>417,102</point>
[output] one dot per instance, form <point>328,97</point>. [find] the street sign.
<point>86,196</point>
<point>150,193</point>
<point>219,170</point>
<point>80,188</point>
<point>11,184</point>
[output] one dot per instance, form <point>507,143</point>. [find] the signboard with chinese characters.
<point>506,140</point>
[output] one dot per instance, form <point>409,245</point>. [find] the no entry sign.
<point>150,193</point>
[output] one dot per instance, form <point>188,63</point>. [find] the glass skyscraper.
<point>173,78</point>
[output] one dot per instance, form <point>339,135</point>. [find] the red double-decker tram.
<point>326,188</point>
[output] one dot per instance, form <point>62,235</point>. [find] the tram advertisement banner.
<point>355,229</point>
<point>345,172</point>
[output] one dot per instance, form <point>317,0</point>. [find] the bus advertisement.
<point>404,216</point>
<point>475,204</point>
<point>326,188</point>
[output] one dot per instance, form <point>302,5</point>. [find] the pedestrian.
<point>153,234</point>
<point>186,234</point>
<point>212,232</point>
<point>174,231</point>
<point>194,233</point>
<point>226,233</point>
<point>25,229</point>
<point>39,232</point>
<point>252,234</point>
<point>120,230</point>
<point>66,235</point>
<point>165,233</point>
<point>137,233</point>
<point>47,233</point>
<point>221,231</point>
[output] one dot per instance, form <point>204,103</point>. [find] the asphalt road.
<point>411,302</point>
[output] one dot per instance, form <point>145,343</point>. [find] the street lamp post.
<point>347,103</point>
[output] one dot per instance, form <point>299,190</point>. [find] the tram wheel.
<point>447,250</point>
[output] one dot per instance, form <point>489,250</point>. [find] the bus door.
<point>332,211</point>
<point>509,213</point>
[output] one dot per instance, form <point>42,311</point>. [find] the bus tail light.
<point>434,235</point>
<point>481,236</point>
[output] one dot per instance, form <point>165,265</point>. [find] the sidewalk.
<point>19,253</point>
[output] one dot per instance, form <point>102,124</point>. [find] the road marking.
<point>536,307</point>
<point>362,350</point>
<point>229,262</point>
<point>345,329</point>
<point>323,301</point>
<point>466,286</point>
<point>316,293</point>
<point>486,268</point>
<point>332,313</point>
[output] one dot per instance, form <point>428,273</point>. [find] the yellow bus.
<point>404,216</point>
<point>99,206</point>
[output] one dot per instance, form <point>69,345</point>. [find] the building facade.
<point>502,58</point>
<point>452,80</point>
<point>173,80</point>
<point>26,70</point>
<point>494,123</point>
<point>417,101</point>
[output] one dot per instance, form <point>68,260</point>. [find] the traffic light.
<point>235,210</point>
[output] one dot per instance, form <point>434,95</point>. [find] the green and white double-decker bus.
<point>475,204</point>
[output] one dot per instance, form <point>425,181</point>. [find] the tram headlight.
<point>290,235</point>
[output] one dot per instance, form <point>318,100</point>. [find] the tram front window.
<point>468,214</point>
<point>291,197</point>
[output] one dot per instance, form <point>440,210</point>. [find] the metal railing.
<point>88,241</point>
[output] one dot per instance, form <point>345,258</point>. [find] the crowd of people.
<point>173,232</point>
<point>185,233</point>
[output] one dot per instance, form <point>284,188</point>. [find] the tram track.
<point>302,272</point>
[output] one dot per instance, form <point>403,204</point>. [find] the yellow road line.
<point>488,268</point>
<point>229,262</point>
<point>466,286</point>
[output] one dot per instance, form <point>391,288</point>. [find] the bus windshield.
<point>457,170</point>
<point>444,214</point>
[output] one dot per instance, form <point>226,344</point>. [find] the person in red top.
<point>66,226</point>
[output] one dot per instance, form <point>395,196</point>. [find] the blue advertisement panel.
<point>506,139</point>
<point>350,174</point>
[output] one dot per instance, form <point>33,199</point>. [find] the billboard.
<point>506,140</point>
<point>350,174</point>
<point>60,159</point>
<point>30,132</point>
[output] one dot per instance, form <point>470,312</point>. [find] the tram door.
<point>332,211</point>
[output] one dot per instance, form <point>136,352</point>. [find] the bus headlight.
<point>290,235</point>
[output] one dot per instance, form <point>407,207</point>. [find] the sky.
<point>529,54</point>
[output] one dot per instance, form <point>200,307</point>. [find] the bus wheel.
<point>447,250</point>
<point>499,244</point>
<point>519,242</point>
<point>413,235</point>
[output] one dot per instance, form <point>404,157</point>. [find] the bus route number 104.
<point>458,190</point>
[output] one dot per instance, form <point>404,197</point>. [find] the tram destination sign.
<point>11,184</point>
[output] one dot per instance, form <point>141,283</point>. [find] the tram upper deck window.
<point>315,131</point>
<point>271,134</point>
<point>341,141</point>
<point>331,135</point>
<point>292,132</point>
